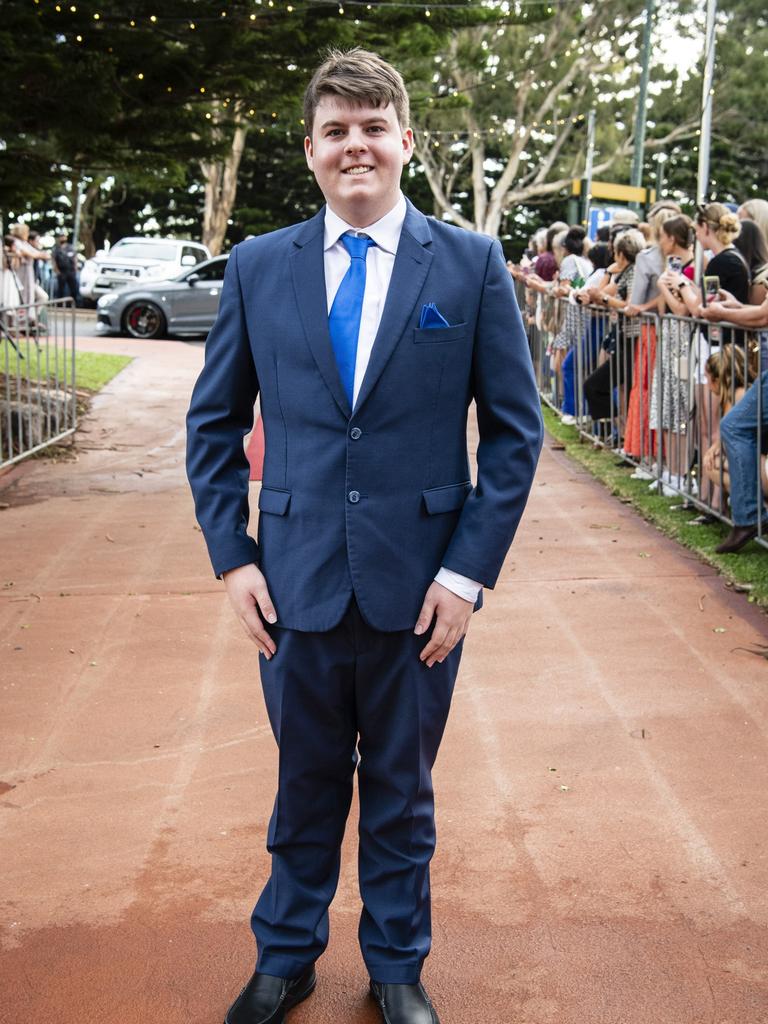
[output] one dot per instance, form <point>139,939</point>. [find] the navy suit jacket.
<point>370,502</point>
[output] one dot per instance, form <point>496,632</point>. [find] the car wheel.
<point>143,319</point>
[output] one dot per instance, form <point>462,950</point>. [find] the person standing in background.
<point>65,264</point>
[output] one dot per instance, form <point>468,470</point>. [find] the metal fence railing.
<point>653,389</point>
<point>38,402</point>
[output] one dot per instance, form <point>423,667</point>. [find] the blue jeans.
<point>589,346</point>
<point>569,384</point>
<point>740,434</point>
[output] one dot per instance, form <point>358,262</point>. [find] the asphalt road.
<point>85,324</point>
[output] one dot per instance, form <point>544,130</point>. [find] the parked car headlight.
<point>108,299</point>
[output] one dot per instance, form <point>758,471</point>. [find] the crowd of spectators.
<point>30,274</point>
<point>664,364</point>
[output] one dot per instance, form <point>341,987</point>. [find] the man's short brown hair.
<point>358,77</point>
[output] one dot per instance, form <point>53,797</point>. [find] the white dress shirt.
<point>379,263</point>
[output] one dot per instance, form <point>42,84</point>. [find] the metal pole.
<point>705,132</point>
<point>587,197</point>
<point>78,205</point>
<point>639,147</point>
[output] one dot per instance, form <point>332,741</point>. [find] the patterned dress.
<point>573,326</point>
<point>669,396</point>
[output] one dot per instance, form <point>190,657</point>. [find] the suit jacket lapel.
<point>308,272</point>
<point>408,275</point>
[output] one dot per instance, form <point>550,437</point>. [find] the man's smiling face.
<point>357,154</point>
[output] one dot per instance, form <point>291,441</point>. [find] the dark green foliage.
<point>137,107</point>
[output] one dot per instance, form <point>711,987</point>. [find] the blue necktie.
<point>347,309</point>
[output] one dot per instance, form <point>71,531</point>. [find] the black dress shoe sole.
<point>290,1001</point>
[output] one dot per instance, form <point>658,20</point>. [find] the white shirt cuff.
<point>459,585</point>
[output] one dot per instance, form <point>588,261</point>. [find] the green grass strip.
<point>746,570</point>
<point>95,369</point>
<point>92,369</point>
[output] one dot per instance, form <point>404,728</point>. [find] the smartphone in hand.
<point>711,288</point>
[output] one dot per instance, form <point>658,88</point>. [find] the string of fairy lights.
<point>433,137</point>
<point>262,8</point>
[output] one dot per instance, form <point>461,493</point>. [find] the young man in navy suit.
<point>366,331</point>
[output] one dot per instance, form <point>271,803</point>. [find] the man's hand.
<point>713,311</point>
<point>248,594</point>
<point>453,616</point>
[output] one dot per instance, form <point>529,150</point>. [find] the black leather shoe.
<point>404,1004</point>
<point>736,539</point>
<point>265,999</point>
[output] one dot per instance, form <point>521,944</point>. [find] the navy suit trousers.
<point>352,698</point>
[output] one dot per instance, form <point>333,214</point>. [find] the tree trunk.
<point>88,214</point>
<point>220,190</point>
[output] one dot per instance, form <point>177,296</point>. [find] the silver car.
<point>159,259</point>
<point>154,309</point>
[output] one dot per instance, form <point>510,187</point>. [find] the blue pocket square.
<point>431,317</point>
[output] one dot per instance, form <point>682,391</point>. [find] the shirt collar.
<point>385,232</point>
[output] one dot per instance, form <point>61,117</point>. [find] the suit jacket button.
<point>355,433</point>
<point>354,497</point>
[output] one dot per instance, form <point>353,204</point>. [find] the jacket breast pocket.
<point>436,335</point>
<point>274,501</point>
<point>446,499</point>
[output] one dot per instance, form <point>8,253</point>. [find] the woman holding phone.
<point>670,387</point>
<point>716,228</point>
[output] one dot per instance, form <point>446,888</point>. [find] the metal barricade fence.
<point>38,402</point>
<point>653,389</point>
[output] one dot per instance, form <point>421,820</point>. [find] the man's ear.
<point>407,145</point>
<point>308,152</point>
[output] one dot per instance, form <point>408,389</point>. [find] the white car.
<point>132,259</point>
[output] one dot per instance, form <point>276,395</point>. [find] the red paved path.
<point>602,787</point>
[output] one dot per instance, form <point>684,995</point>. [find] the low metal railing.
<point>38,401</point>
<point>653,389</point>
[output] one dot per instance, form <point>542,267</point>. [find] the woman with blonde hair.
<point>756,210</point>
<point>32,294</point>
<point>26,255</point>
<point>716,230</point>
